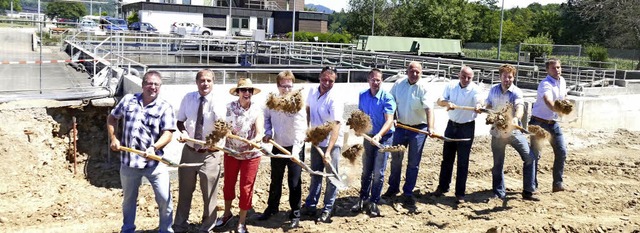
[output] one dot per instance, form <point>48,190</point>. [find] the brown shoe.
<point>558,189</point>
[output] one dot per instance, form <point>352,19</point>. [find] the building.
<point>272,16</point>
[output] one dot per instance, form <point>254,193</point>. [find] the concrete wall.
<point>164,19</point>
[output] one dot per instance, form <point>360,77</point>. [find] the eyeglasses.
<point>245,90</point>
<point>285,86</point>
<point>152,84</point>
<point>330,68</point>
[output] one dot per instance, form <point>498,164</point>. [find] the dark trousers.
<point>294,181</point>
<point>449,150</point>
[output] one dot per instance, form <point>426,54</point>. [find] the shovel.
<point>484,110</point>
<point>160,159</point>
<point>296,160</point>
<point>335,179</point>
<point>433,135</point>
<point>225,149</point>
<point>262,149</point>
<point>381,148</point>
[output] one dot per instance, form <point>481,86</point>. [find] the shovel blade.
<point>338,183</point>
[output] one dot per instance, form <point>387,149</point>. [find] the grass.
<point>621,64</point>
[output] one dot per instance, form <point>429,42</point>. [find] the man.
<point>380,106</point>
<point>324,105</point>
<point>288,130</point>
<point>148,124</point>
<point>544,114</point>
<point>462,124</point>
<point>196,119</point>
<point>415,110</point>
<point>500,96</point>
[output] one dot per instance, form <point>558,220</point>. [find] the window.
<point>262,23</point>
<point>242,23</point>
<point>186,2</point>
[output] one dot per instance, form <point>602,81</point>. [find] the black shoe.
<point>438,193</point>
<point>529,196</point>
<point>357,208</point>
<point>459,200</point>
<point>409,202</point>
<point>295,223</point>
<point>267,214</point>
<point>325,217</point>
<point>389,194</point>
<point>373,210</point>
<point>309,211</point>
<point>222,221</point>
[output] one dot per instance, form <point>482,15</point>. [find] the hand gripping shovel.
<point>484,110</point>
<point>433,135</point>
<point>296,160</point>
<point>336,179</point>
<point>158,158</point>
<point>383,149</point>
<point>230,151</point>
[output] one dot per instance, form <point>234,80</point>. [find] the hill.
<point>319,8</point>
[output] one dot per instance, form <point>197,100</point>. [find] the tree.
<point>487,21</point>
<point>434,18</point>
<point>358,19</point>
<point>67,10</point>
<point>6,5</point>
<point>617,21</point>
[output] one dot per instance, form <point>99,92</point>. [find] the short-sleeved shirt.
<point>287,129</point>
<point>499,100</point>
<point>557,88</point>
<point>142,126</point>
<point>325,108</point>
<point>459,96</point>
<point>376,107</point>
<point>411,101</point>
<point>188,113</point>
<point>243,124</point>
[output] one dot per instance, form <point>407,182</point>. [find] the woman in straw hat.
<point>246,120</point>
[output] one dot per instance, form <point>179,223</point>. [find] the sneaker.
<point>558,188</point>
<point>409,202</point>
<point>222,221</point>
<point>242,228</point>
<point>267,214</point>
<point>374,211</point>
<point>357,208</point>
<point>325,217</point>
<point>529,196</point>
<point>295,223</point>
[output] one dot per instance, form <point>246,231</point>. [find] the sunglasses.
<point>330,68</point>
<point>245,90</point>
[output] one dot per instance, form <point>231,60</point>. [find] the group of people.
<point>149,122</point>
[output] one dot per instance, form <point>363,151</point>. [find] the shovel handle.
<point>522,129</point>
<point>472,109</point>
<point>256,145</point>
<point>372,141</point>
<point>149,156</point>
<point>274,143</point>
<point>201,142</point>
<point>413,129</point>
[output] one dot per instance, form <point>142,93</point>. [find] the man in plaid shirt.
<point>148,124</point>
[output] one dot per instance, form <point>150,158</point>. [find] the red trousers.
<point>248,169</point>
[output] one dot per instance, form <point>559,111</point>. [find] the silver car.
<point>189,28</point>
<point>88,26</point>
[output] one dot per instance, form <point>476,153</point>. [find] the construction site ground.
<point>41,193</point>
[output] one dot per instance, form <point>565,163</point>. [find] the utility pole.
<point>373,15</point>
<point>230,18</point>
<point>293,22</point>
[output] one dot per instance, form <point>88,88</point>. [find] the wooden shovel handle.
<point>413,129</point>
<point>256,145</point>
<point>149,156</point>
<point>274,143</point>
<point>372,141</point>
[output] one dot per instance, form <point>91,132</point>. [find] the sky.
<point>336,5</point>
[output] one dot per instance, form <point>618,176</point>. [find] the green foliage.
<point>337,21</point>
<point>322,37</point>
<point>133,18</point>
<point>538,46</point>
<point>67,10</point>
<point>310,9</point>
<point>597,53</point>
<point>6,5</point>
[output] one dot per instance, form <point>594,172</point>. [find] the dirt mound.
<point>40,193</point>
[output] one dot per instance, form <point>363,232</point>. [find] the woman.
<point>246,120</point>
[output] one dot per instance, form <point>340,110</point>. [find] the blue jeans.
<point>373,166</point>
<point>415,143</point>
<point>449,150</point>
<point>519,142</point>
<point>559,149</point>
<point>131,178</point>
<point>315,187</point>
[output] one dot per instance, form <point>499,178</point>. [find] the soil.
<point>41,193</point>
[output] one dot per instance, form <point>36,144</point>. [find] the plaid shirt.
<point>142,126</point>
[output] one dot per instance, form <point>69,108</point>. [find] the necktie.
<point>199,124</point>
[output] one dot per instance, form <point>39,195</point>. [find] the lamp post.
<point>501,21</point>
<point>40,45</point>
<point>293,22</point>
<point>373,15</point>
<point>230,19</point>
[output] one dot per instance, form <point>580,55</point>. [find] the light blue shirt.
<point>376,107</point>
<point>325,108</point>
<point>411,101</point>
<point>499,101</point>
<point>558,91</point>
<point>459,96</point>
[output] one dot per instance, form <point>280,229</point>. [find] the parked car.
<point>113,24</point>
<point>142,27</point>
<point>190,28</point>
<point>88,26</point>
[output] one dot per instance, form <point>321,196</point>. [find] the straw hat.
<point>244,83</point>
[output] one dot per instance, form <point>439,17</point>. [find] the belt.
<point>414,126</point>
<point>201,150</point>
<point>550,122</point>
<point>456,124</point>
